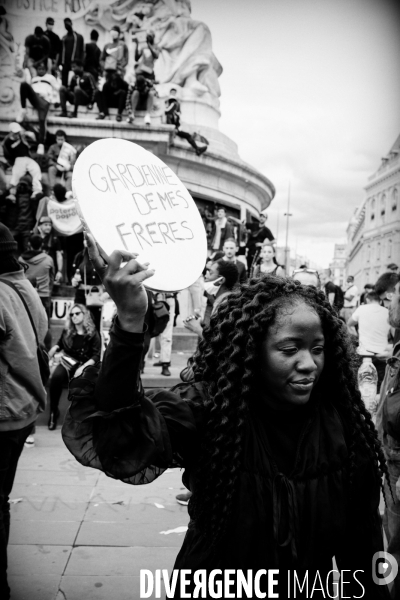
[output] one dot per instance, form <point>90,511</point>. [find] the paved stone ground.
<point>76,533</point>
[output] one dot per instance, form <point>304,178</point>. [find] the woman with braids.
<point>277,446</point>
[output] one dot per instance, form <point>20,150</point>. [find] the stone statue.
<point>186,57</point>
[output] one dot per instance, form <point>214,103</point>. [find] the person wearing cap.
<point>23,395</point>
<point>115,55</point>
<point>17,153</point>
<point>72,48</point>
<point>61,157</point>
<point>54,41</point>
<point>80,91</point>
<point>51,245</point>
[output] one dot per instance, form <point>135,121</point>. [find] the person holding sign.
<point>277,446</point>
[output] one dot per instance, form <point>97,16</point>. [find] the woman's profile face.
<point>292,356</point>
<point>267,252</point>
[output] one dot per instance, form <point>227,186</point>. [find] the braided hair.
<point>227,361</point>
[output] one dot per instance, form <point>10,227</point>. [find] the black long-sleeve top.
<point>301,497</point>
<point>81,347</point>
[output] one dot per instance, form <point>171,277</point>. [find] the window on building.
<point>395,199</point>
<point>372,209</point>
<point>368,253</point>
<point>389,249</point>
<point>383,206</point>
<point>378,251</point>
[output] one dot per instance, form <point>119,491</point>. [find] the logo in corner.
<point>384,568</point>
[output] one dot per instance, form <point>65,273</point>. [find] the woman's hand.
<point>124,284</point>
<point>52,351</point>
<point>194,325</point>
<point>79,371</point>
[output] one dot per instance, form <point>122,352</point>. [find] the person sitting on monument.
<point>92,56</point>
<point>42,91</point>
<point>113,95</point>
<point>37,51</point>
<point>140,97</point>
<point>51,245</point>
<point>80,92</point>
<point>173,117</point>
<point>61,158</point>
<point>16,148</point>
<point>115,55</point>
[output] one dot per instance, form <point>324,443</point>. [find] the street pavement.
<point>77,534</point>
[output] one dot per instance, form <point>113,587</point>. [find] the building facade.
<point>373,234</point>
<point>338,264</point>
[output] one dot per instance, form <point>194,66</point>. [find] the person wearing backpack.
<point>333,292</point>
<point>22,393</point>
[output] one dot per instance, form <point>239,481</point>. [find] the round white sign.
<point>130,200</point>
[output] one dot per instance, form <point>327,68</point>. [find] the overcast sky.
<point>311,94</point>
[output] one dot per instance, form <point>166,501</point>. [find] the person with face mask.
<point>81,91</point>
<point>115,55</point>
<point>72,48</point>
<point>55,43</point>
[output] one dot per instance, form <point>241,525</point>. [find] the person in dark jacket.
<point>72,49</point>
<point>80,92</point>
<point>26,209</point>
<point>81,346</point>
<point>278,448</point>
<point>92,55</point>
<point>55,43</point>
<point>113,95</point>
<point>37,50</point>
<point>84,279</point>
<point>17,152</point>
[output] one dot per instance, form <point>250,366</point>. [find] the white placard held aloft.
<point>130,200</point>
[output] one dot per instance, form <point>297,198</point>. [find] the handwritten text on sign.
<point>132,201</point>
<point>163,229</point>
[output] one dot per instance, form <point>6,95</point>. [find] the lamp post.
<point>287,253</point>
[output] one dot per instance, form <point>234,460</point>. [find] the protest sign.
<point>64,216</point>
<point>130,200</point>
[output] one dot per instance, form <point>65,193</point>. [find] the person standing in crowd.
<point>41,92</point>
<point>80,91</point>
<point>92,56</point>
<point>25,214</point>
<point>51,245</point>
<point>61,158</point>
<point>140,96</point>
<point>22,393</point>
<point>332,291</point>
<point>80,344</point>
<point>37,51</point>
<point>146,56</point>
<point>18,155</point>
<point>350,299</point>
<point>196,292</point>
<point>166,335</point>
<point>307,276</point>
<point>277,446</point>
<point>55,44</point>
<point>72,49</point>
<point>368,287</point>
<point>86,281</point>
<point>256,239</point>
<point>373,332</point>
<point>229,249</point>
<point>387,423</point>
<point>115,55</point>
<point>220,280</point>
<point>267,265</point>
<point>113,95</point>
<point>385,288</point>
<point>40,273</point>
<point>221,231</point>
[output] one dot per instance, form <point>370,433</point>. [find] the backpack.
<point>160,317</point>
